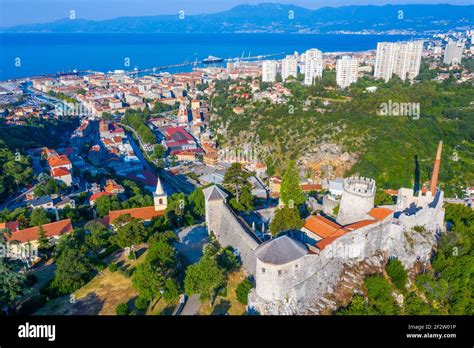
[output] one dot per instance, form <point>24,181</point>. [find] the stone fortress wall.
<point>228,229</point>
<point>294,287</point>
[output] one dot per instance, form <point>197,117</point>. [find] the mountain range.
<point>279,18</point>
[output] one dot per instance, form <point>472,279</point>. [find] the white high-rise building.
<point>399,58</point>
<point>269,70</point>
<point>453,53</point>
<point>313,67</point>
<point>289,67</point>
<point>346,71</point>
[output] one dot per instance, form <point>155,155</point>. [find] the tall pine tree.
<point>290,192</point>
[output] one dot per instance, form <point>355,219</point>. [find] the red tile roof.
<point>58,161</point>
<point>311,187</point>
<point>58,172</point>
<point>12,225</point>
<point>359,224</point>
<point>380,213</point>
<point>391,192</point>
<point>144,213</point>
<point>52,229</point>
<point>321,226</point>
<point>98,195</point>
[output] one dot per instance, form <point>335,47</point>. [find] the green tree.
<point>39,217</point>
<point>228,261</point>
<point>196,200</point>
<point>44,244</point>
<point>161,264</point>
<point>236,181</point>
<point>73,269</point>
<point>11,284</point>
<point>414,305</point>
<point>105,204</point>
<point>285,219</point>
<point>290,191</point>
<point>171,291</point>
<point>98,237</point>
<point>358,306</point>
<point>159,151</point>
<point>397,273</point>
<point>242,291</point>
<point>379,292</point>
<point>130,231</point>
<point>121,309</point>
<point>203,278</point>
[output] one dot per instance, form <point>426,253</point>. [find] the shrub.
<point>127,272</point>
<point>113,267</point>
<point>397,273</point>
<point>99,267</point>
<point>141,303</point>
<point>242,291</point>
<point>121,309</point>
<point>131,256</point>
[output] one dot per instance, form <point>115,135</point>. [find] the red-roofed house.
<point>24,243</point>
<point>59,161</point>
<point>63,174</point>
<point>111,186</point>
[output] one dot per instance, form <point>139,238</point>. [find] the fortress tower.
<point>357,199</point>
<point>160,198</point>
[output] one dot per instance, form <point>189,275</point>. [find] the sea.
<point>35,54</point>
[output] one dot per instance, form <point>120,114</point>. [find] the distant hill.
<point>279,18</point>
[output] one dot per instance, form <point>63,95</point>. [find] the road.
<point>191,306</point>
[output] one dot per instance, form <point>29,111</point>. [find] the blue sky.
<point>14,12</point>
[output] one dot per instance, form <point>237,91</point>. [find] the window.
<point>279,272</point>
<point>296,266</point>
<point>161,201</point>
<point>263,270</point>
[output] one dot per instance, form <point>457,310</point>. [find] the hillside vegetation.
<point>385,147</point>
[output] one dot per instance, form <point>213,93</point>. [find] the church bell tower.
<point>160,198</point>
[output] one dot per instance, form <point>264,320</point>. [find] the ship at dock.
<point>212,60</point>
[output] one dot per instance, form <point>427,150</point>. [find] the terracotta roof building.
<point>23,244</point>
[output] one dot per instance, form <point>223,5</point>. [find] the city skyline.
<point>27,12</point>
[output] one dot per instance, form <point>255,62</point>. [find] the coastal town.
<point>150,163</point>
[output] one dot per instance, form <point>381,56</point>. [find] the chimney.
<point>437,163</point>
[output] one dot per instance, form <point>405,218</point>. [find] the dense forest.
<point>385,147</point>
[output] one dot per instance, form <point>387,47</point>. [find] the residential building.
<point>346,71</point>
<point>313,67</point>
<point>453,53</point>
<point>269,71</point>
<point>289,67</point>
<point>23,244</point>
<point>399,58</point>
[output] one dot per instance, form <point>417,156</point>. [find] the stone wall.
<point>294,290</point>
<point>229,231</point>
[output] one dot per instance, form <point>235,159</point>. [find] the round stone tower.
<point>357,199</point>
<point>280,266</point>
